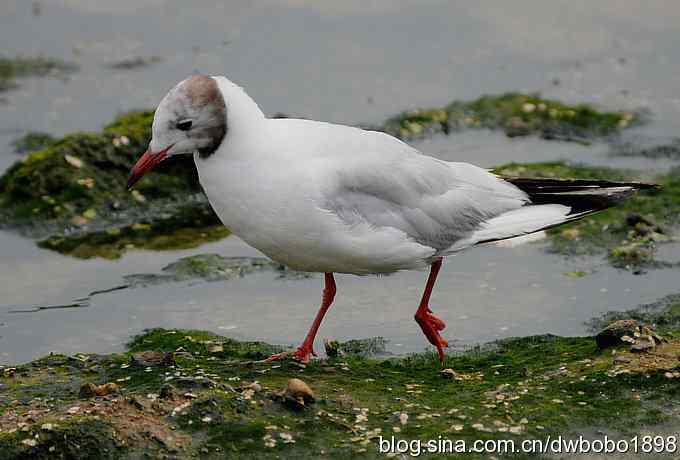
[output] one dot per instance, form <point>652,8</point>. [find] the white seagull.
<point>322,197</point>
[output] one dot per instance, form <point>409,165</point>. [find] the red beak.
<point>146,163</point>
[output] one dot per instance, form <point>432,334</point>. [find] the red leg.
<point>305,351</point>
<point>430,324</point>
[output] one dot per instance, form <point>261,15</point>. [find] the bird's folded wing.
<point>434,202</point>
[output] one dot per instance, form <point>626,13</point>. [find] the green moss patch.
<point>190,228</point>
<point>72,194</point>
<point>212,267</point>
<point>517,115</point>
<point>216,397</point>
<point>86,171</point>
<point>13,68</point>
<point>664,314</point>
<point>84,438</point>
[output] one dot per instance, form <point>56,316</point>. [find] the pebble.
<point>88,390</point>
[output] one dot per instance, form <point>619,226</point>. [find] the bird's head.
<point>192,117</point>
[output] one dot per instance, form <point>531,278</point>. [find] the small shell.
<point>298,389</point>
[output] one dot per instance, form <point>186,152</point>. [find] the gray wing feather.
<point>434,202</point>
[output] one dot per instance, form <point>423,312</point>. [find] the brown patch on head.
<point>202,90</point>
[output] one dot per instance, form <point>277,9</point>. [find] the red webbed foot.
<point>431,325</point>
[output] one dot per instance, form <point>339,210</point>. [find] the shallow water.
<point>352,61</point>
<point>482,295</point>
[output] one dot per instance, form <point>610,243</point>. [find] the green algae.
<point>87,171</point>
<point>371,347</point>
<point>73,195</point>
<point>628,233</point>
<point>189,228</point>
<point>196,343</point>
<point>81,439</point>
<point>13,68</point>
<point>32,142</point>
<point>517,115</point>
<point>669,150</point>
<point>663,314</point>
<point>211,267</point>
<point>521,388</point>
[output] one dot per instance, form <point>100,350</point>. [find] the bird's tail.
<point>553,202</point>
<point>581,195</point>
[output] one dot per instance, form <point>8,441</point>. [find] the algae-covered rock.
<point>374,346</point>
<point>181,227</point>
<point>516,114</point>
<point>611,335</point>
<point>73,193</point>
<point>209,267</point>
<point>77,439</point>
<point>87,171</point>
<point>13,68</point>
<point>664,314</point>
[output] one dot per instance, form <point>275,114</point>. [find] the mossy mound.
<point>517,115</point>
<point>13,68</point>
<point>190,226</point>
<point>630,232</point>
<point>72,193</point>
<point>78,439</point>
<point>187,393</point>
<point>87,171</point>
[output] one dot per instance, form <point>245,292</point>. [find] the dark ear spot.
<point>204,95</point>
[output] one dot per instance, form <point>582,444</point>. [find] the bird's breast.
<point>264,210</point>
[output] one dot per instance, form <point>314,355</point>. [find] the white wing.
<point>436,203</point>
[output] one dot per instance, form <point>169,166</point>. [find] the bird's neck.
<point>243,113</point>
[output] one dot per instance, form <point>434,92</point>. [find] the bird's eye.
<point>184,125</point>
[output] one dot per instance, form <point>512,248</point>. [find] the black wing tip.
<point>582,195</point>
<point>571,184</point>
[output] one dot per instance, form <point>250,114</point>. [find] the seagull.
<point>329,198</point>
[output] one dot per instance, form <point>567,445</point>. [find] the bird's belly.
<point>290,229</point>
<point>319,243</point>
